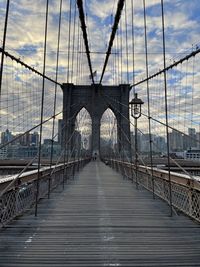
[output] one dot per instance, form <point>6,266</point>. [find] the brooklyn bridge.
<point>100,133</point>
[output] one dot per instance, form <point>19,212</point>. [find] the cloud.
<point>25,39</point>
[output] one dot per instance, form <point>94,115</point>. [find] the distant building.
<point>21,152</point>
<point>192,154</point>
<point>13,152</point>
<point>144,143</point>
<point>3,153</point>
<point>47,148</point>
<point>77,141</point>
<point>106,147</point>
<point>25,152</point>
<point>160,145</point>
<point>22,139</point>
<point>192,139</point>
<point>6,137</point>
<point>34,139</point>
<point>47,141</point>
<point>198,139</point>
<point>139,141</point>
<point>175,141</point>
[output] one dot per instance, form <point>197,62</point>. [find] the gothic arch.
<point>96,99</point>
<point>108,133</point>
<point>79,109</point>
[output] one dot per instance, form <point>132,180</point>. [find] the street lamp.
<point>136,105</point>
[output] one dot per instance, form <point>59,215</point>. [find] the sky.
<point>25,37</point>
<point>25,40</point>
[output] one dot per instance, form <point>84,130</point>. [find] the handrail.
<point>18,196</point>
<point>177,178</point>
<point>185,191</point>
<point>31,176</point>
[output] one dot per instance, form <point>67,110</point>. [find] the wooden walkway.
<point>100,220</point>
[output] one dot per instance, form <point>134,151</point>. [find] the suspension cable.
<point>180,61</point>
<point>121,54</point>
<point>4,42</point>
<point>133,42</point>
<point>73,42</point>
<point>166,107</point>
<point>69,39</point>
<point>112,36</point>
<point>152,118</point>
<point>148,99</point>
<point>150,173</point>
<point>83,27</point>
<point>19,61</point>
<point>42,108</point>
<point>55,93</point>
<point>127,52</point>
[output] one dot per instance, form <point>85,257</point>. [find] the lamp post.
<point>136,105</point>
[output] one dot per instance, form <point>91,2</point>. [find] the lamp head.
<point>136,104</point>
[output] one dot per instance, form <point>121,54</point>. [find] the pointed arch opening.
<point>83,133</point>
<point>108,134</point>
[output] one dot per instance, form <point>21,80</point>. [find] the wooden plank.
<point>100,219</point>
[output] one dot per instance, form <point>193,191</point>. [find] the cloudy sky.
<point>25,37</point>
<point>25,40</point>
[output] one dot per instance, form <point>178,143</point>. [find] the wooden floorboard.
<point>100,219</point>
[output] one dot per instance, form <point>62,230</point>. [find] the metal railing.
<point>18,196</point>
<point>185,191</point>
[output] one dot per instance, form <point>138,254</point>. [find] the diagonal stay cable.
<point>154,119</point>
<point>166,68</point>
<point>19,61</point>
<point>83,27</point>
<point>174,161</point>
<point>112,36</point>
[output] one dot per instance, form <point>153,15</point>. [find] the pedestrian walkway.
<point>100,219</point>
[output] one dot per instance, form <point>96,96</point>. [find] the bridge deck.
<point>100,220</point>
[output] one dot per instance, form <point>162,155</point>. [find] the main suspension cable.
<point>83,27</point>
<point>112,36</point>
<point>4,43</point>
<point>19,61</point>
<point>180,61</point>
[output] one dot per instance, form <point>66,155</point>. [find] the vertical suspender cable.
<point>127,57</point>
<point>166,107</point>
<point>112,36</point>
<point>80,58</point>
<point>113,69</point>
<point>66,147</point>
<point>78,54</point>
<point>55,94</point>
<point>73,42</point>
<point>133,66</point>
<point>148,99</point>
<point>81,61</point>
<point>69,37</point>
<point>121,52</point>
<point>118,56</point>
<point>133,43</point>
<point>42,108</point>
<point>116,65</point>
<point>85,38</point>
<point>4,43</point>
